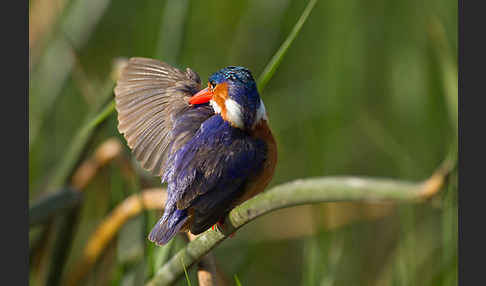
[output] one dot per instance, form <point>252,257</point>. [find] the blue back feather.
<point>206,175</point>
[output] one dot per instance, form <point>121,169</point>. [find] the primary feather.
<point>148,95</point>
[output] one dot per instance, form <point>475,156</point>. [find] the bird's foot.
<point>218,226</point>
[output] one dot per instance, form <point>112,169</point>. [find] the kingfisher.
<point>213,146</point>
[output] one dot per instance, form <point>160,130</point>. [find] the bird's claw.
<point>219,226</point>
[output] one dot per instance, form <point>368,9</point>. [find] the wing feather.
<point>149,95</point>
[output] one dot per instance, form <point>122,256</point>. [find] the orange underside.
<point>260,181</point>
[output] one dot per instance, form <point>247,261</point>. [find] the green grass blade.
<point>448,68</point>
<point>272,66</point>
<point>237,281</point>
<point>109,108</point>
<point>449,75</point>
<point>185,272</point>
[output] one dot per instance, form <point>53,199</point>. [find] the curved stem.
<point>299,192</point>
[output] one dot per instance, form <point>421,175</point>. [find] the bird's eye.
<point>212,84</point>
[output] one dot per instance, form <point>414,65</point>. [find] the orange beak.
<point>202,96</point>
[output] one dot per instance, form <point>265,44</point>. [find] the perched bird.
<point>213,146</point>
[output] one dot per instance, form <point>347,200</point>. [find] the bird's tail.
<point>168,226</point>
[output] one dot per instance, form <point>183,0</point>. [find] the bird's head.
<point>233,94</point>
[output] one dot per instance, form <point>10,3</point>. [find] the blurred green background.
<point>366,89</point>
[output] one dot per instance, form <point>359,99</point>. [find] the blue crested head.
<point>237,75</point>
<point>234,95</point>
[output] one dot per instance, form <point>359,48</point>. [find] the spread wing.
<point>210,171</point>
<point>150,95</point>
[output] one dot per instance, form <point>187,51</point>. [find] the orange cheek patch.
<point>220,96</point>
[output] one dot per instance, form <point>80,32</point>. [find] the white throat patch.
<point>215,106</point>
<point>233,111</point>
